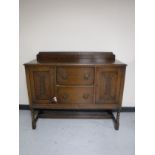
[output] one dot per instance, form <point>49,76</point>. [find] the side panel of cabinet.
<point>108,85</point>
<point>42,80</point>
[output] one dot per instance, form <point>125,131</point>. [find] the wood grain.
<point>75,80</point>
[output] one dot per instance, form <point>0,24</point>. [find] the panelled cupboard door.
<point>108,80</point>
<point>42,84</point>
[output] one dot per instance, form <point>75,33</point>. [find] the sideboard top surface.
<point>75,58</point>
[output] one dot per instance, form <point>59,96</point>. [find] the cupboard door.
<point>42,84</point>
<point>107,85</point>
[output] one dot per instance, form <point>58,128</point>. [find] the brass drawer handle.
<point>53,99</point>
<point>65,97</point>
<point>64,77</point>
<point>86,76</point>
<point>86,96</point>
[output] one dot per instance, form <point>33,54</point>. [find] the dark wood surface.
<point>74,95</point>
<point>79,80</point>
<point>108,81</point>
<point>42,83</point>
<point>123,109</point>
<point>75,114</point>
<point>74,75</point>
<point>77,57</point>
<point>74,58</point>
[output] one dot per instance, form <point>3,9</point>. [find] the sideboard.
<point>75,81</point>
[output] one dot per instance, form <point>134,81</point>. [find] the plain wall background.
<point>78,25</point>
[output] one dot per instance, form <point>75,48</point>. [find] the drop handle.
<point>53,99</point>
<point>85,96</point>
<point>86,76</point>
<point>65,77</point>
<point>65,97</point>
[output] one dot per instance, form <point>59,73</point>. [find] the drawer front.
<point>75,75</point>
<point>75,95</point>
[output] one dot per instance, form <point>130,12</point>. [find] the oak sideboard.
<point>75,81</point>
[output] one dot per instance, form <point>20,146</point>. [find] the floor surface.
<point>77,136</point>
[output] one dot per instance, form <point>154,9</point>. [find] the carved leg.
<point>117,120</point>
<point>34,118</point>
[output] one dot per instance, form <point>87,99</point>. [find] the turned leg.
<point>117,120</point>
<point>33,124</point>
<point>34,118</point>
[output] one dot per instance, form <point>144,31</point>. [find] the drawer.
<point>75,75</point>
<point>75,95</point>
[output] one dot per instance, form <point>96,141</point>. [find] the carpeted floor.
<point>77,136</point>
